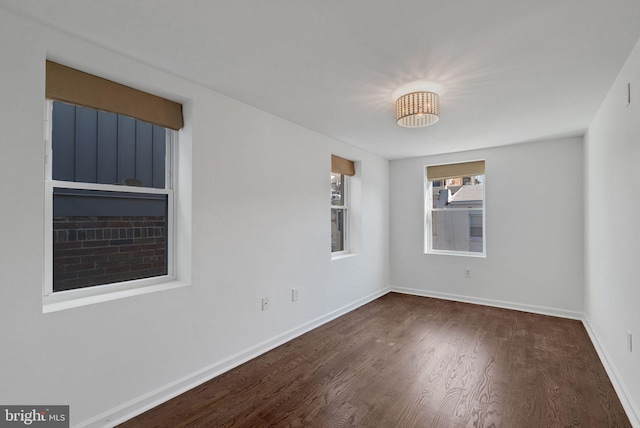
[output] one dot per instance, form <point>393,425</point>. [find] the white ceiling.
<point>509,71</point>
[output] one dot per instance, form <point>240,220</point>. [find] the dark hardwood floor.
<point>407,361</point>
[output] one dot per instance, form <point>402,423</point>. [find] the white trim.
<point>107,187</point>
<point>171,147</point>
<point>454,209</point>
<point>47,252</point>
<point>456,253</point>
<point>153,398</point>
<point>104,293</point>
<point>339,254</point>
<point>542,310</point>
<point>633,413</point>
<point>427,231</point>
<point>342,255</point>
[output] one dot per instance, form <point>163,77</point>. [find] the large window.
<point>108,186</point>
<point>341,171</point>
<point>455,209</point>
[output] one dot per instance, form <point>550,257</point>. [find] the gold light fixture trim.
<point>417,109</point>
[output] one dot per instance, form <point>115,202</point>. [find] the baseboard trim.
<point>562,313</point>
<point>148,401</point>
<point>614,376</point>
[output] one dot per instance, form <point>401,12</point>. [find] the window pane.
<point>337,189</point>
<point>458,192</point>
<point>441,197</point>
<point>475,232</point>
<point>337,229</point>
<point>92,146</point>
<point>450,232</point>
<point>107,237</point>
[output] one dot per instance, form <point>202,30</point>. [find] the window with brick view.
<point>106,236</point>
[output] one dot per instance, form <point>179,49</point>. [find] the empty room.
<point>319,213</point>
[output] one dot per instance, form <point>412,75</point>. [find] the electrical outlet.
<point>467,273</point>
<point>294,294</point>
<point>629,341</point>
<point>265,303</point>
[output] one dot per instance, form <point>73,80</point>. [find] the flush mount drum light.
<point>417,109</point>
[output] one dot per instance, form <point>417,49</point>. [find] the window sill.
<point>456,253</point>
<point>343,256</point>
<point>82,297</point>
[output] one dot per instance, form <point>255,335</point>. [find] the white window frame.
<point>345,217</point>
<point>53,301</point>
<point>428,227</point>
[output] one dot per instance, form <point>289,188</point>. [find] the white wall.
<point>534,225</point>
<point>612,230</point>
<point>260,220</point>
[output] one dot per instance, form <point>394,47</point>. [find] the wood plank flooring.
<point>408,361</point>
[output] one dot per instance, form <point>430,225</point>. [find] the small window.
<point>455,209</point>
<point>341,171</point>
<point>339,213</point>
<point>475,226</point>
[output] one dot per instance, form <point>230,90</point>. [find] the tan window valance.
<point>464,169</point>
<point>76,87</point>
<point>342,166</point>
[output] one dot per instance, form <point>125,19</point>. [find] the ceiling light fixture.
<point>417,109</point>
